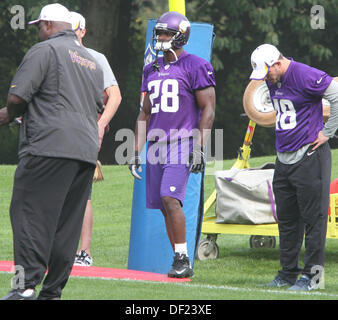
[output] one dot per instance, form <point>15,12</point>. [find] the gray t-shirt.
<point>62,85</point>
<point>108,75</point>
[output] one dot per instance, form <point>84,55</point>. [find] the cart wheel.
<point>207,249</point>
<point>262,242</point>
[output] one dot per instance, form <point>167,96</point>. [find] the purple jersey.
<point>297,100</point>
<point>174,111</point>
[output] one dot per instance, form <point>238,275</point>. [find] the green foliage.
<point>241,26</point>
<point>14,44</point>
<point>9,144</point>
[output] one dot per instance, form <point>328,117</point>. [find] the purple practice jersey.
<point>174,111</point>
<point>297,100</point>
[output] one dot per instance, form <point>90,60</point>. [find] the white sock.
<point>181,248</point>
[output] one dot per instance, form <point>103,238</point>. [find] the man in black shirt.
<point>58,89</point>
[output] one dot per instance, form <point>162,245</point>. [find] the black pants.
<point>302,193</point>
<point>47,209</point>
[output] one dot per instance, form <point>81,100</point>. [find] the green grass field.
<point>236,274</point>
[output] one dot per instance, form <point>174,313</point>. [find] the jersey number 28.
<point>168,91</point>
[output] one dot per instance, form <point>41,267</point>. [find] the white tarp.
<point>246,197</point>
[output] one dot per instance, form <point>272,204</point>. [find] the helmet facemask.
<point>175,24</point>
<point>173,43</point>
<point>165,46</point>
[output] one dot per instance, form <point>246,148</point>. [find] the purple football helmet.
<point>176,23</point>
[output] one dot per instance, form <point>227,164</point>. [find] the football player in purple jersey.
<point>302,175</point>
<point>176,118</point>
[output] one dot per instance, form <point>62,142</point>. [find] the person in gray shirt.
<point>83,257</point>
<point>58,91</point>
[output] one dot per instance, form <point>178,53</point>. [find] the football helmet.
<point>178,25</point>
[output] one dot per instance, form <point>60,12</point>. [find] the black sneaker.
<point>48,298</point>
<point>180,267</point>
<point>278,282</point>
<point>304,283</point>
<point>18,294</point>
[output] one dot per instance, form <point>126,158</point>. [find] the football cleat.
<point>181,267</point>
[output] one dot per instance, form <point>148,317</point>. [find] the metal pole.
<point>177,5</point>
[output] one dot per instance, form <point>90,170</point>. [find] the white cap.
<point>78,21</point>
<point>262,59</point>
<point>53,12</point>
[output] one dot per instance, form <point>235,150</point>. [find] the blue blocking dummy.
<point>149,245</point>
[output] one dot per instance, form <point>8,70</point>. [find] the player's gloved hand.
<point>135,165</point>
<point>196,159</point>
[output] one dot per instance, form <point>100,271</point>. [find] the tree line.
<point>117,28</point>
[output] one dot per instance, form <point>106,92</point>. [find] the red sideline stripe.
<point>109,273</point>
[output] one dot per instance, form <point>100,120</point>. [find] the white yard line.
<point>316,293</point>
<point>319,293</point>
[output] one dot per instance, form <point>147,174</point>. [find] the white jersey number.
<point>285,111</point>
<point>169,95</point>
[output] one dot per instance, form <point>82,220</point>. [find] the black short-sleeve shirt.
<point>63,87</point>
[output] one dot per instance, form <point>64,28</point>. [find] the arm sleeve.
<point>144,86</point>
<point>331,95</point>
<point>316,82</point>
<point>108,74</point>
<point>202,75</point>
<point>31,72</point>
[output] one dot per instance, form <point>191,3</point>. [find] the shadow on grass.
<point>272,254</point>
